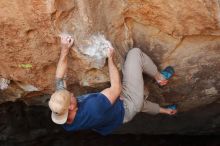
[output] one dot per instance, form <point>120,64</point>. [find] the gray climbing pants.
<point>135,65</point>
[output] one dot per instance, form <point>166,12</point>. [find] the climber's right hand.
<point>66,43</point>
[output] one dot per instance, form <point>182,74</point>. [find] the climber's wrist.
<point>64,51</point>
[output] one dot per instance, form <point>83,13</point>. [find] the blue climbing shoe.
<point>168,72</point>
<point>173,107</point>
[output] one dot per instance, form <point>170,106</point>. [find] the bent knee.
<point>134,53</point>
<point>135,50</point>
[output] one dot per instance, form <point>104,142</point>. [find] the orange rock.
<point>183,33</point>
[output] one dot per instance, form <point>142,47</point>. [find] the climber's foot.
<point>163,76</point>
<point>168,111</point>
<point>160,79</point>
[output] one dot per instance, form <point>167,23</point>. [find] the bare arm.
<point>66,43</point>
<point>114,91</point>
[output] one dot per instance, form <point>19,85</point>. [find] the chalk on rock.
<point>4,83</point>
<point>64,35</point>
<point>97,48</point>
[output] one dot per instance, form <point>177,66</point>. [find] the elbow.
<point>117,89</point>
<point>118,92</point>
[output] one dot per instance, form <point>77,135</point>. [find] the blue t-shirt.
<point>97,113</point>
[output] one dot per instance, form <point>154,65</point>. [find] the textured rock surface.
<point>185,34</point>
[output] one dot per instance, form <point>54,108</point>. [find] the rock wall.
<point>184,34</point>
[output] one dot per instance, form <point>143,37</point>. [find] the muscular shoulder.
<point>95,102</point>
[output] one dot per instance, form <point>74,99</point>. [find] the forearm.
<point>114,77</point>
<point>61,67</point>
<point>66,43</point>
<point>114,91</point>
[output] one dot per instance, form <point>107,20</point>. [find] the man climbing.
<point>104,111</point>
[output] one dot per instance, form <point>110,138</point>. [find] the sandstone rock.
<point>184,34</point>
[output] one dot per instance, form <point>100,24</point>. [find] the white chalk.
<point>4,83</point>
<point>97,48</point>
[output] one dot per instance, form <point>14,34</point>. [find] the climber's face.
<point>72,109</point>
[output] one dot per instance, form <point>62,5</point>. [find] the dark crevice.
<point>31,125</point>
